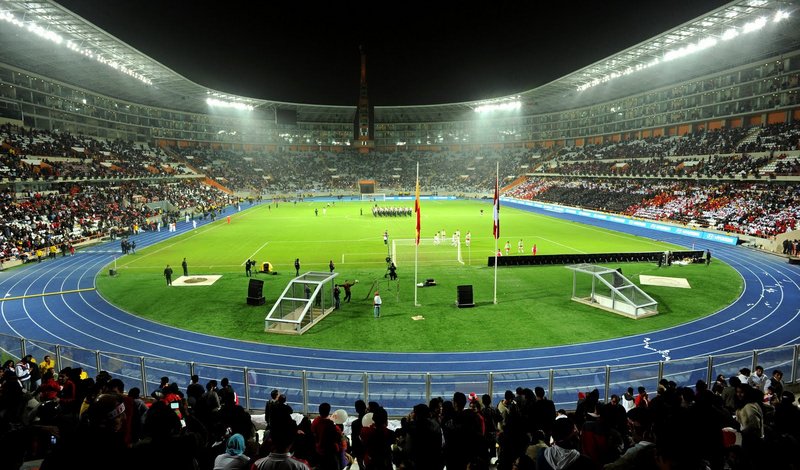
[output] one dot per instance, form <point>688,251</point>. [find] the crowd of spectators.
<point>66,214</point>
<point>787,166</point>
<point>757,209</point>
<point>779,137</point>
<point>69,420</point>
<point>39,154</point>
<point>324,172</point>
<point>724,141</point>
<point>76,213</point>
<point>30,153</point>
<point>703,167</point>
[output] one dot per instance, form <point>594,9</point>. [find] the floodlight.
<point>755,25</point>
<point>228,104</point>
<point>58,39</point>
<point>708,42</point>
<point>730,34</point>
<point>507,106</point>
<point>780,15</point>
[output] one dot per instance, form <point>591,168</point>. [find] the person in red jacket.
<point>327,439</point>
<point>67,394</point>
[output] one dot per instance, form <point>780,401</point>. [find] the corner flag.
<point>496,227</point>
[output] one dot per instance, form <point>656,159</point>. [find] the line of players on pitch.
<point>455,240</point>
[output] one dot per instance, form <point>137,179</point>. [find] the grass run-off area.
<point>533,306</point>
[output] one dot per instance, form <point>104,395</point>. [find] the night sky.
<point>417,53</point>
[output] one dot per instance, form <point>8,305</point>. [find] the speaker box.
<point>464,296</point>
<point>255,288</point>
<point>254,292</point>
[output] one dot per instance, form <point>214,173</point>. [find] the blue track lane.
<point>767,314</point>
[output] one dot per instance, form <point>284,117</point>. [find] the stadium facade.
<point>736,66</point>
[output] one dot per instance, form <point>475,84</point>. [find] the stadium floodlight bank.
<point>608,289</point>
<point>305,302</point>
<point>430,253</point>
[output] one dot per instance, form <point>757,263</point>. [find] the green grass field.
<point>533,303</point>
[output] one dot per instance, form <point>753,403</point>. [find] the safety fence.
<point>399,392</point>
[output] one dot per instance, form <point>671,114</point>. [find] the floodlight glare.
<point>58,39</point>
<point>755,25</point>
<point>43,33</point>
<point>730,34</point>
<point>228,104</point>
<point>708,42</point>
<point>507,106</point>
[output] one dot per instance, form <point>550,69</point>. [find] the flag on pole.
<point>496,227</point>
<point>416,245</point>
<point>416,207</point>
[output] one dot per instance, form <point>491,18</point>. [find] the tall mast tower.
<point>364,128</point>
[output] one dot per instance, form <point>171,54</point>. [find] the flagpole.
<point>416,244</point>
<point>497,225</point>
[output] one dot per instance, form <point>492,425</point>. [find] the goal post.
<point>372,197</point>
<point>429,253</point>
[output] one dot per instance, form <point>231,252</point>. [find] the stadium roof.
<point>47,39</point>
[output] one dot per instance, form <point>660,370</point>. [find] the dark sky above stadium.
<point>417,52</point>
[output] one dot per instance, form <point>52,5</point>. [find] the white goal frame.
<point>373,197</point>
<point>444,251</point>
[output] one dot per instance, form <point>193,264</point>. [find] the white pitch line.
<point>561,244</point>
<point>254,254</point>
<point>176,242</point>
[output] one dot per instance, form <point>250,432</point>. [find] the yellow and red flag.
<point>417,211</point>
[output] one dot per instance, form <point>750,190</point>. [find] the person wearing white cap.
<point>376,303</point>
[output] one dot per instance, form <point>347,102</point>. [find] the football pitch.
<point>533,306</point>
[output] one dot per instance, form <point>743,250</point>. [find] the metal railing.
<point>399,392</point>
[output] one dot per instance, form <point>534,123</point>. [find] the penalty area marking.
<point>30,296</point>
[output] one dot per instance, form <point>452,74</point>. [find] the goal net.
<point>430,253</point>
<point>373,197</point>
